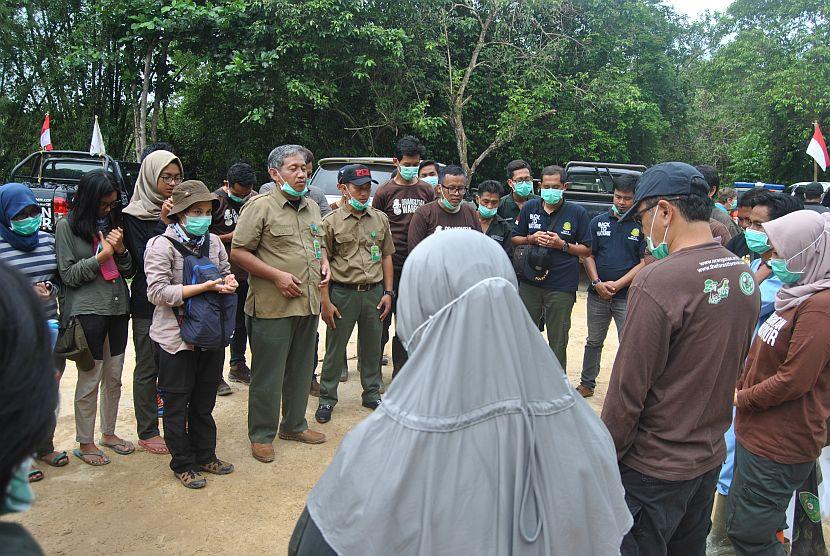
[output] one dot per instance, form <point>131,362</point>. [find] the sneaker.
<point>223,389</point>
<point>217,467</point>
<point>323,413</point>
<point>584,391</point>
<point>192,479</point>
<point>315,387</point>
<point>371,405</point>
<point>344,374</point>
<point>240,372</point>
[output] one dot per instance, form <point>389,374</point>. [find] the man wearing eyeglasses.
<point>447,212</point>
<point>691,315</point>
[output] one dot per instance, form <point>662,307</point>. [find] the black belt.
<point>356,287</point>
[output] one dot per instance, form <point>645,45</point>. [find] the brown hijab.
<point>804,237</point>
<point>146,202</point>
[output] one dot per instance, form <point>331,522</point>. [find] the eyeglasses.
<point>171,179</point>
<point>110,206</point>
<point>638,216</point>
<point>455,190</point>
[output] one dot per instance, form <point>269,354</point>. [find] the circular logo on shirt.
<point>747,283</point>
<point>396,207</point>
<point>635,232</point>
<point>566,226</point>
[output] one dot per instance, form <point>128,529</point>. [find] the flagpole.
<point>103,162</point>
<point>815,164</point>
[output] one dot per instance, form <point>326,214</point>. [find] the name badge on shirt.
<point>318,252</point>
<point>375,251</point>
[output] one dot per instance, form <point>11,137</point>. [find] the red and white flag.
<point>818,149</point>
<point>46,136</point>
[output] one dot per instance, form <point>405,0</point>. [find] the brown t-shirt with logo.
<point>400,202</point>
<point>690,321</point>
<point>784,394</point>
<point>431,218</point>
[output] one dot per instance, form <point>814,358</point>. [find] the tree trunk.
<point>141,120</point>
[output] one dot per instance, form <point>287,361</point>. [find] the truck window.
<point>58,169</point>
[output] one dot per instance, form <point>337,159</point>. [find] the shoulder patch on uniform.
<point>747,283</point>
<point>718,291</point>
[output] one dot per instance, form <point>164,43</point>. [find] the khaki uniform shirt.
<point>350,238</point>
<point>284,238</point>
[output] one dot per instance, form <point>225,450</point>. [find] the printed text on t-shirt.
<point>768,332</point>
<point>723,262</point>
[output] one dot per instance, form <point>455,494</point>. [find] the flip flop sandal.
<point>122,447</point>
<point>156,447</point>
<point>84,455</point>
<point>35,475</point>
<point>56,459</point>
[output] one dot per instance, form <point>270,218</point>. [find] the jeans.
<point>670,517</point>
<point>600,313</point>
<point>758,498</point>
<point>556,307</point>
<point>239,342</point>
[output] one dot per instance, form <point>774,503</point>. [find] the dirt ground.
<point>135,505</point>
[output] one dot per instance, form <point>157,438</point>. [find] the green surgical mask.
<point>239,200</point>
<point>779,268</point>
<point>432,180</point>
<point>661,251</point>
<point>27,226</point>
<point>523,188</point>
<point>408,173</point>
<point>449,206</point>
<point>197,225</point>
<point>357,205</point>
<point>485,212</point>
<point>615,210</point>
<point>758,242</point>
<point>552,196</point>
<point>288,190</point>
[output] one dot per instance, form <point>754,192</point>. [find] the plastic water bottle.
<point>54,328</point>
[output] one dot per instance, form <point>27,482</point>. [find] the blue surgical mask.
<point>758,242</point>
<point>523,188</point>
<point>485,212</point>
<point>432,180</point>
<point>27,226</point>
<point>660,251</point>
<point>288,190</point>
<point>779,268</point>
<point>408,173</point>
<point>197,225</point>
<point>552,196</point>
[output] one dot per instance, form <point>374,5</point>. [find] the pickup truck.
<point>53,176</point>
<point>592,183</point>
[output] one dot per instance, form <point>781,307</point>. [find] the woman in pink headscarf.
<point>783,395</point>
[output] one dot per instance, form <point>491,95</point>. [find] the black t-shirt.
<point>224,222</point>
<point>617,247</point>
<point>572,226</point>
<point>737,245</point>
<point>136,235</point>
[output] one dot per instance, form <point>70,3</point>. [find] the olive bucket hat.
<point>189,193</point>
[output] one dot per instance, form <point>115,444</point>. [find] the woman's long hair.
<point>83,217</point>
<point>28,389</point>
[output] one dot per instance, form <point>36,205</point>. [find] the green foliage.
<point>550,80</point>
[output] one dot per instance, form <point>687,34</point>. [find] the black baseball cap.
<point>357,174</point>
<point>813,190</point>
<point>668,179</point>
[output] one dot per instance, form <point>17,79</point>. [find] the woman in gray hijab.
<point>480,446</point>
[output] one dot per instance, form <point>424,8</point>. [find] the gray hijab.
<point>480,446</point>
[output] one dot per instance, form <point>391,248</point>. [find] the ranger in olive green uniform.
<point>358,240</point>
<point>279,241</point>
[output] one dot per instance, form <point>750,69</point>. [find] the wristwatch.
<point>565,247</point>
<point>390,293</point>
<point>595,282</point>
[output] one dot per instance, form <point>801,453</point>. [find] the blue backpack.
<point>208,319</point>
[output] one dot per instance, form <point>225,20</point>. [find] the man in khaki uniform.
<point>358,240</point>
<point>279,241</point>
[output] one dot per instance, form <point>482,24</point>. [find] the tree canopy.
<point>480,81</point>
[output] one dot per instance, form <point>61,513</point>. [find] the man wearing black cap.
<point>669,400</point>
<point>360,246</point>
<point>812,197</point>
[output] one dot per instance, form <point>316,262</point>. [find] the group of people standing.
<point>707,332</point>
